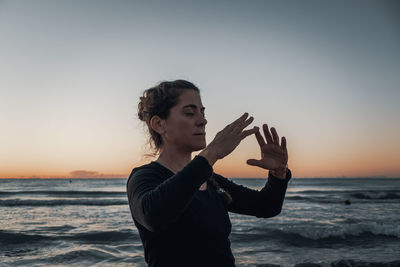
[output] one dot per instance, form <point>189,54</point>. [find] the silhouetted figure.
<point>179,205</point>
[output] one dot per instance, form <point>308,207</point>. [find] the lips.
<point>200,134</point>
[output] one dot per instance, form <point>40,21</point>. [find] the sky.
<point>325,74</point>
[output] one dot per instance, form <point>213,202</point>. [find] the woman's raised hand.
<point>273,156</point>
<point>228,139</point>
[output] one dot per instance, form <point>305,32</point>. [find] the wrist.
<point>279,173</point>
<point>209,156</point>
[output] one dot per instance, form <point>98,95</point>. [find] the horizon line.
<point>314,177</point>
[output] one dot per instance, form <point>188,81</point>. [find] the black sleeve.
<point>154,202</point>
<point>264,203</point>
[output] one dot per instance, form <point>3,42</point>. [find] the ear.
<point>157,124</point>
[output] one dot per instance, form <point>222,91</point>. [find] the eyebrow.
<point>193,106</point>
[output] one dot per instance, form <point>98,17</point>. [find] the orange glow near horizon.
<point>237,168</point>
<point>304,162</point>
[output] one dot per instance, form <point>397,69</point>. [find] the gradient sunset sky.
<point>325,74</point>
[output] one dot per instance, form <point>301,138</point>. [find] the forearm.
<point>264,203</point>
<point>275,191</point>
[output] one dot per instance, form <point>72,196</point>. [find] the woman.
<point>179,205</point>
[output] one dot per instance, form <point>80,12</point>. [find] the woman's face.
<point>186,124</point>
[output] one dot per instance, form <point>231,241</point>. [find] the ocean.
<point>87,222</point>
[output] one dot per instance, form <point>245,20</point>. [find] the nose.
<point>202,121</point>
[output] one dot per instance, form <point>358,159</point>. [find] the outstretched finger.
<point>254,162</point>
<point>267,134</point>
<point>275,135</point>
<point>239,127</point>
<point>239,120</point>
<point>259,138</point>
<point>283,143</point>
<point>246,133</point>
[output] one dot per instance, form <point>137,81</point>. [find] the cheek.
<point>181,128</point>
<point>184,125</point>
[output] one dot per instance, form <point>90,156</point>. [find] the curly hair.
<point>159,100</point>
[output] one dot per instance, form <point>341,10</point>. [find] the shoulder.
<point>148,171</point>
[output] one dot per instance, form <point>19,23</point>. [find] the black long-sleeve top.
<point>180,225</point>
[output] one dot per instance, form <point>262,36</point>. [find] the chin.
<point>199,147</point>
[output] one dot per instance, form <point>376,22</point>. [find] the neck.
<point>174,160</point>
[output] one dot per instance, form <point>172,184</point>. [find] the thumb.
<point>254,162</point>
